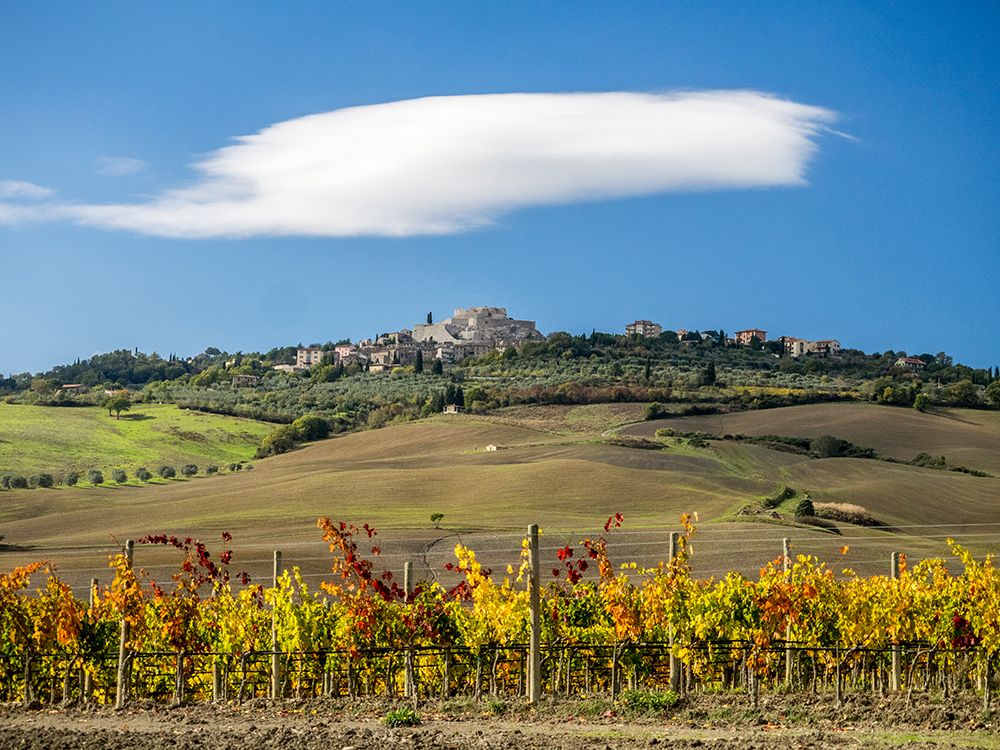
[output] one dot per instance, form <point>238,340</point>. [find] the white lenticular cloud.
<point>448,164</point>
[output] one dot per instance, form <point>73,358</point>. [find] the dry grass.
<point>845,513</point>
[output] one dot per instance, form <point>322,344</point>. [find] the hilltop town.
<point>469,332</point>
<point>476,331</point>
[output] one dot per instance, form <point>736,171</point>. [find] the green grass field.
<point>57,439</point>
<point>554,472</point>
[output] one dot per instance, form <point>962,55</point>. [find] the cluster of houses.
<point>475,331</point>
<point>791,346</point>
<point>469,332</point>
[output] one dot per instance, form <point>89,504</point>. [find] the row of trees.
<point>96,477</point>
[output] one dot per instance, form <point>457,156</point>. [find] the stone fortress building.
<point>478,324</point>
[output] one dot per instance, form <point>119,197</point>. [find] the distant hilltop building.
<point>911,363</point>
<point>645,328</point>
<point>746,337</point>
<point>477,324</point>
<point>308,356</point>
<point>796,347</point>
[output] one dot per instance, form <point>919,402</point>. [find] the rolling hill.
<point>555,467</point>
<point>965,436</point>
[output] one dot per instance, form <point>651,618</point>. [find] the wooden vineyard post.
<point>216,680</point>
<point>535,638</point>
<point>275,659</point>
<point>409,683</point>
<point>987,697</point>
<point>785,567</point>
<point>675,666</point>
<point>179,678</point>
<point>895,678</point>
<point>88,679</point>
<point>124,660</point>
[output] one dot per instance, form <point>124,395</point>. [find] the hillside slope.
<point>397,476</point>
<point>57,439</point>
<point>967,437</point>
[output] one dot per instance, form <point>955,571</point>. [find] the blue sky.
<point>891,244</point>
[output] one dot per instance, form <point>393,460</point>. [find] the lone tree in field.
<point>117,404</point>
<point>436,519</point>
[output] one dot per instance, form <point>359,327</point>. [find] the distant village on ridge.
<point>476,331</point>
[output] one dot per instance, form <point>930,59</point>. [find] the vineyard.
<point>594,627</point>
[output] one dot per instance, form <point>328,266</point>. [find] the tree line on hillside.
<point>702,371</point>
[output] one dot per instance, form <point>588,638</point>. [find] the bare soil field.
<point>968,437</point>
<point>702,721</point>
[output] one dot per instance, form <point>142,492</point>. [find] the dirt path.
<point>711,722</point>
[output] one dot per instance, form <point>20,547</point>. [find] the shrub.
<point>211,469</point>
<point>142,474</point>
<point>656,410</point>
<point>649,702</point>
<point>281,440</point>
<point>71,478</point>
<point>40,480</point>
<point>189,470</point>
<point>805,508</point>
<point>930,462</point>
<point>95,477</point>
<point>311,427</point>
<point>248,467</point>
<point>777,499</point>
<point>5,482</point>
<point>166,472</point>
<point>235,467</point>
<point>119,476</point>
<point>405,716</point>
<point>826,446</point>
<point>496,707</point>
<point>17,482</point>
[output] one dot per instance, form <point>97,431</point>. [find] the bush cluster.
<point>304,429</point>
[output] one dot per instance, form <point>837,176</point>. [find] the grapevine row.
<point>209,632</point>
